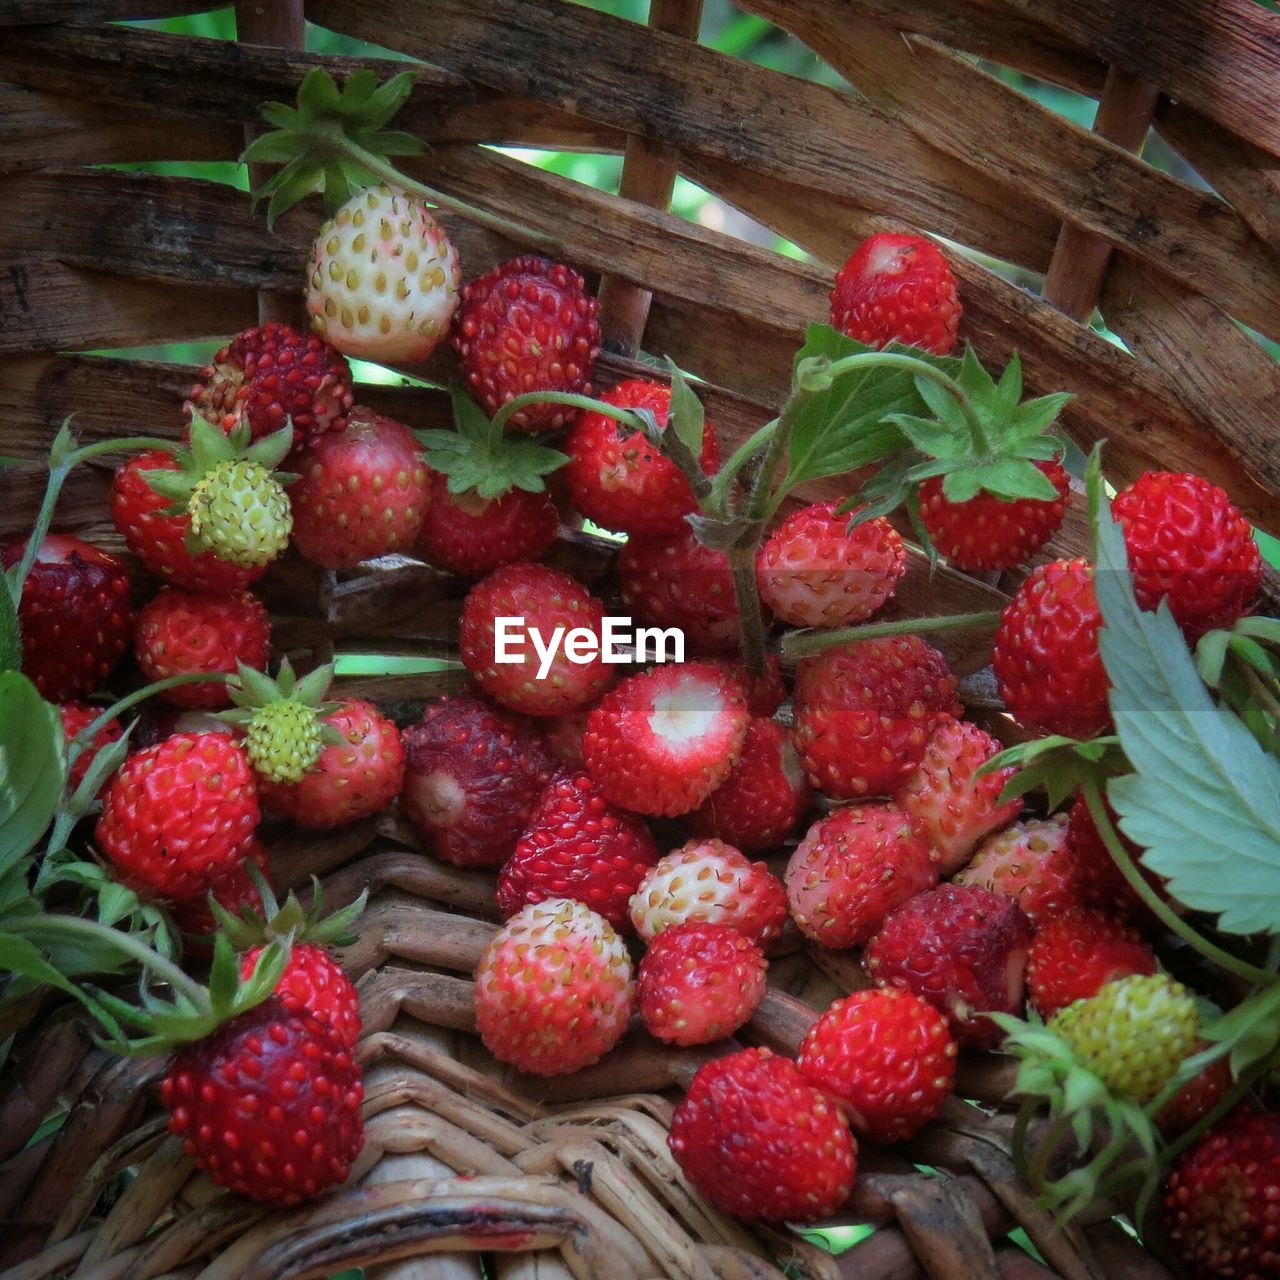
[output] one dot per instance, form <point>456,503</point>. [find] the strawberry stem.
<point>570,398</point>
<point>717,503</point>
<point>803,644</point>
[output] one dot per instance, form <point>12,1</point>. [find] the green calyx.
<point>229,488</point>
<point>291,920</point>
<point>283,720</point>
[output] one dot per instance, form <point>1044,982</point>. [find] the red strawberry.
<point>553,989</point>
<point>235,890</point>
<point>577,845</point>
<point>948,804</point>
<point>812,572</point>
<point>759,1142</point>
<point>665,738</point>
<point>1075,954</point>
<point>1096,879</point>
<point>528,325</point>
<point>699,982</point>
<point>1189,544</point>
<point>758,805</point>
<point>897,288</point>
<point>620,480</point>
<point>361,492</point>
<point>1027,861</point>
<point>465,533</point>
<point>765,692</point>
<point>541,599</point>
<point>563,737</point>
<point>677,582</point>
<point>865,711</point>
<point>987,532</point>
<point>76,615</point>
<point>1046,656</point>
<point>962,948</point>
<point>274,376</point>
<point>1220,1198</point>
<point>181,633</point>
<point>269,1104</point>
<point>180,815</point>
<point>710,881</point>
<point>76,717</point>
<point>852,869</point>
<point>159,540</point>
<point>314,982</point>
<point>1197,1097</point>
<point>352,779</point>
<point>886,1057</point>
<point>473,776</point>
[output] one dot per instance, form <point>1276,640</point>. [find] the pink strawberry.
<point>361,492</point>
<point>664,739</point>
<point>949,805</point>
<point>852,869</point>
<point>553,990</point>
<point>962,948</point>
<point>758,805</point>
<point>812,572</point>
<point>865,712</point>
<point>708,880</point>
<point>577,845</point>
<point>1027,861</point>
<point>699,982</point>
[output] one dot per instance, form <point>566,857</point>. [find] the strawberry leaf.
<point>32,768</point>
<point>10,629</point>
<point>1204,798</point>
<point>687,418</point>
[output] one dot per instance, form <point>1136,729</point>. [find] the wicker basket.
<point>470,1170</point>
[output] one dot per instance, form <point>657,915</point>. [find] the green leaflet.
<point>31,766</point>
<point>1204,798</point>
<point>10,633</point>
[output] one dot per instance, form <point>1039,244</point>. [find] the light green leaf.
<point>1009,391</point>
<point>944,406</point>
<point>1015,478</point>
<point>32,767</point>
<point>1037,415</point>
<point>936,439</point>
<point>1204,800</point>
<point>687,418</point>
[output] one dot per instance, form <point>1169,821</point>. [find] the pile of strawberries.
<point>621,816</point>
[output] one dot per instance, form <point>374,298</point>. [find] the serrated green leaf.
<point>687,418</point>
<point>1204,800</point>
<point>32,767</point>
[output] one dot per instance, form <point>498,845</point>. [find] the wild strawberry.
<point>553,989</point>
<point>987,532</point>
<point>544,599</point>
<point>274,377</point>
<point>76,614</point>
<point>759,1142</point>
<point>1220,1198</point>
<point>1133,1034</point>
<point>765,692</point>
<point>281,719</point>
<point>963,949</point>
<point>665,738</point>
<point>1046,656</point>
<point>812,572</point>
<point>563,737</point>
<point>383,281</point>
<point>527,325</point>
<point>886,1058</point>
<point>76,717</point>
<point>1189,544</point>
<point>620,480</point>
<point>758,805</point>
<point>361,492</point>
<point>314,982</point>
<point>865,712</point>
<point>178,816</point>
<point>473,775</point>
<point>241,512</point>
<point>236,891</point>
<point>577,845</point>
<point>353,778</point>
<point>465,533</point>
<point>159,540</point>
<point>1075,954</point>
<point>1095,877</point>
<point>897,288</point>
<point>708,880</point>
<point>949,805</point>
<point>852,869</point>
<point>1197,1097</point>
<point>675,581</point>
<point>1027,861</point>
<point>187,633</point>
<point>699,982</point>
<point>269,1104</point>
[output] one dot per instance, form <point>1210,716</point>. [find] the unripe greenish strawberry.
<point>1133,1034</point>
<point>241,513</point>
<point>283,740</point>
